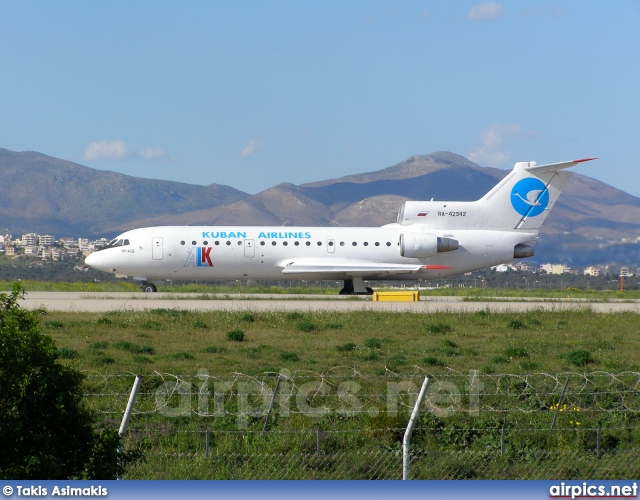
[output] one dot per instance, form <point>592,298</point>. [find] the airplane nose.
<point>94,260</point>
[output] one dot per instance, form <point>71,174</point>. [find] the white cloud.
<point>153,154</point>
<point>493,152</point>
<point>250,148</point>
<point>107,150</point>
<point>484,11</point>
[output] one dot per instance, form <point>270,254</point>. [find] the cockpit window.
<point>117,242</point>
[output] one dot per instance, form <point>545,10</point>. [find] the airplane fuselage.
<point>250,252</point>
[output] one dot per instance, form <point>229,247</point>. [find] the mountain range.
<point>591,223</point>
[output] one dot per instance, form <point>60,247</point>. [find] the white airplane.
<point>431,239</point>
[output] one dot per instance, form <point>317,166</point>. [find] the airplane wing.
<point>357,268</point>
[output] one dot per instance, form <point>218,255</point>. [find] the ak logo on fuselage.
<point>199,257</point>
<point>530,197</point>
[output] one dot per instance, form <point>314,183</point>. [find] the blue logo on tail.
<point>530,197</point>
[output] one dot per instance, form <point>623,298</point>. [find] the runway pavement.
<point>136,301</point>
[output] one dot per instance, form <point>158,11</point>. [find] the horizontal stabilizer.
<point>556,166</point>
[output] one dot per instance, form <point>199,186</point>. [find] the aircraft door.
<point>156,248</point>
<point>331,245</point>
<point>249,249</point>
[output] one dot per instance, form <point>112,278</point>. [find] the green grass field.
<point>216,371</point>
<point>179,341</point>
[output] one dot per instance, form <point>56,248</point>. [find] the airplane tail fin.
<point>522,200</point>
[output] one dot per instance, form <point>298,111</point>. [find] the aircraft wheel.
<point>346,291</point>
<point>149,288</point>
<point>369,291</point>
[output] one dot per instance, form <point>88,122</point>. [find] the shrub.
<point>248,317</point>
<point>432,361</point>
<point>516,324</point>
<point>102,359</point>
<point>529,365</point>
<point>142,359</point>
<point>373,343</point>
<point>212,349</point>
<point>439,328</point>
<point>579,357</point>
<point>152,325</point>
<point>289,356</point>
<point>45,429</point>
<point>395,361</point>
<point>500,359</point>
<point>181,356</point>
<point>67,353</point>
<point>348,347</point>
<point>306,326</point>
<point>516,352</point>
<point>134,348</point>
<point>235,335</point>
<point>98,345</point>
<point>200,324</point>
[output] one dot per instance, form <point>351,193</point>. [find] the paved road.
<point>127,301</point>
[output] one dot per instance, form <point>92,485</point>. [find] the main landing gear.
<point>355,286</point>
<point>148,287</point>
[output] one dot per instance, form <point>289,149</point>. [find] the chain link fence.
<point>491,454</point>
<point>343,425</point>
<point>344,388</point>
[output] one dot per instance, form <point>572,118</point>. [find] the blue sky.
<point>254,93</point>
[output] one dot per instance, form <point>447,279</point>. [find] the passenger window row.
<point>286,243</point>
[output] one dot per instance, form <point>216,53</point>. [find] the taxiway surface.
<point>136,301</point>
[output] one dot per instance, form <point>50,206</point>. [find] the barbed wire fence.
<point>343,424</point>
<point>346,389</point>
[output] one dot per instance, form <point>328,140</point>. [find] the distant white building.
<point>100,243</point>
<point>45,240</point>
<point>29,240</point>
<point>553,268</point>
<point>591,271</point>
<point>68,242</point>
<point>624,271</point>
<point>83,244</point>
<point>56,254</point>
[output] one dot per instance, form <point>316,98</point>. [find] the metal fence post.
<point>318,440</point>
<point>555,415</point>
<point>273,399</point>
<point>206,444</point>
<point>502,441</point>
<point>127,413</point>
<point>598,441</point>
<point>406,441</point>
